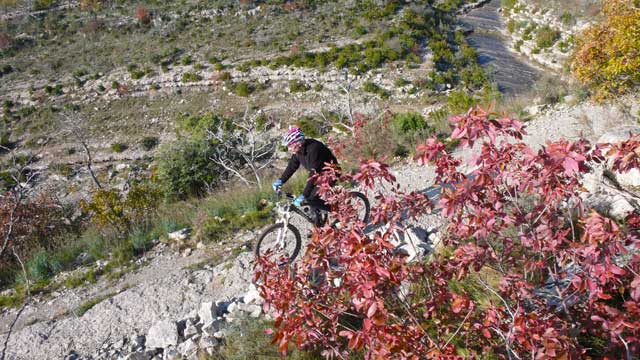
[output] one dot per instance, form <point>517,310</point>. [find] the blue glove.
<point>298,201</point>
<point>276,184</point>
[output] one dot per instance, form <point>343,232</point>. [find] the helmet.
<point>293,136</point>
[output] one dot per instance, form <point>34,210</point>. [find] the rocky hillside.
<point>125,96</point>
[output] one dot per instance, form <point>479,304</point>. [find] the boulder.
<point>162,334</point>
<point>187,348</point>
<point>179,235</point>
<point>252,296</point>
<point>630,178</point>
<point>208,312</point>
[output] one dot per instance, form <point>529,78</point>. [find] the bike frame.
<point>284,215</point>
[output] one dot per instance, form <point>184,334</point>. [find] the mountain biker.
<point>313,155</point>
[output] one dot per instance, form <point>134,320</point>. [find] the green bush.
<point>296,86</point>
<point>527,34</point>
<point>187,60</point>
<point>567,18</point>
<point>190,77</point>
<point>118,147</point>
<point>149,142</point>
<point>42,266</point>
<point>408,130</point>
<point>185,169</point>
<point>408,122</point>
<point>225,76</point>
<point>310,126</point>
<point>371,87</point>
<point>243,89</point>
<point>42,4</point>
<point>460,102</point>
<point>546,37</point>
<point>53,90</point>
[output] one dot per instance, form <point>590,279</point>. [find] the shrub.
<point>190,77</point>
<point>149,142</point>
<point>528,31</point>
<point>5,69</point>
<point>243,89</point>
<point>142,15</point>
<point>400,82</point>
<point>297,86</point>
<point>185,169</point>
<point>310,127</point>
<point>603,59</point>
<point>42,266</point>
<point>53,90</point>
<point>373,88</point>
<point>36,226</point>
<point>224,76</point>
<point>111,210</point>
<point>42,4</point>
<point>518,44</point>
<point>460,101</point>
<point>567,18</point>
<point>187,60</point>
<point>514,288</point>
<point>546,37</point>
<point>118,147</point>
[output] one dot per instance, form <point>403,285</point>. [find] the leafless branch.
<point>24,305</point>
<point>79,134</point>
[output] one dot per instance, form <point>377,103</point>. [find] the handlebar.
<point>280,194</point>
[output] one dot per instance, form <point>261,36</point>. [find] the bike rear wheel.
<point>361,204</point>
<point>280,244</point>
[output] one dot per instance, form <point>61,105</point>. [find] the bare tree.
<point>22,175</point>
<point>245,150</point>
<point>73,127</point>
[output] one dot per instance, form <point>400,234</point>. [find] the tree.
<point>607,57</point>
<point>244,146</point>
<point>525,271</point>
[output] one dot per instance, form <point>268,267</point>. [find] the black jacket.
<point>313,156</point>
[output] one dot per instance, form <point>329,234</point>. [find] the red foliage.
<point>547,276</point>
<point>28,226</point>
<point>142,14</point>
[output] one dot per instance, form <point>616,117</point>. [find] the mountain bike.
<point>282,239</point>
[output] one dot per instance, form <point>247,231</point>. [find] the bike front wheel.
<point>279,244</point>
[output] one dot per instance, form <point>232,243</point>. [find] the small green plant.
<point>310,126</point>
<point>149,142</point>
<point>190,77</point>
<point>53,90</point>
<point>42,266</point>
<point>63,169</point>
<point>224,76</point>
<point>243,88</point>
<point>517,45</point>
<point>371,87</point>
<point>546,37</point>
<point>296,86</point>
<point>527,34</point>
<point>400,82</point>
<point>567,18</point>
<point>87,305</point>
<point>118,147</point>
<point>187,60</point>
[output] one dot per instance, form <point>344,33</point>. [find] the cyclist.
<point>313,155</point>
